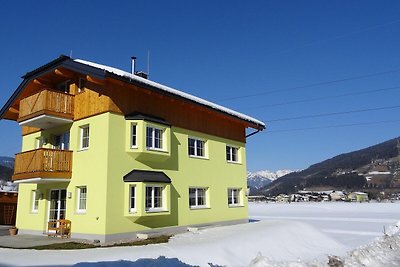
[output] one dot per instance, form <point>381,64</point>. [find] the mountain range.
<point>259,179</point>
<point>373,168</point>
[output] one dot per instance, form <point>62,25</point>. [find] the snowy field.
<point>352,224</point>
<point>297,234</point>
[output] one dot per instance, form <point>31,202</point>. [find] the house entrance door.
<point>57,205</point>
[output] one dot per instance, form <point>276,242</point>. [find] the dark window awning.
<point>146,176</point>
<point>141,116</point>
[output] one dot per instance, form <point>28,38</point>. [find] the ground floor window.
<point>82,197</point>
<point>132,199</point>
<point>154,198</point>
<point>197,197</point>
<point>35,201</point>
<point>234,196</point>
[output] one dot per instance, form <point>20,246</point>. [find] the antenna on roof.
<point>70,53</point>
<point>148,63</point>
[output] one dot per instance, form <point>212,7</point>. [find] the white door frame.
<point>59,203</point>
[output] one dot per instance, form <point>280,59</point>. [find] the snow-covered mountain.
<point>260,179</point>
<point>7,162</point>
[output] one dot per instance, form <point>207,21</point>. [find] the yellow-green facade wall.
<point>109,157</point>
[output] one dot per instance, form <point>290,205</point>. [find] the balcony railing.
<point>43,163</point>
<point>47,102</point>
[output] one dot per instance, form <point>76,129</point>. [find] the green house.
<point>118,154</point>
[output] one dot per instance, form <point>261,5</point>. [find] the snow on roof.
<point>170,90</point>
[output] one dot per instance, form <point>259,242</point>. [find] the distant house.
<point>117,154</point>
<point>337,195</point>
<point>357,196</point>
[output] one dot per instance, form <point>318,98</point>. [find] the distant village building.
<point>358,196</point>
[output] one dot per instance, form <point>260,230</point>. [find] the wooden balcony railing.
<point>43,163</point>
<point>46,102</point>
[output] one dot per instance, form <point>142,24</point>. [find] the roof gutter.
<point>253,133</point>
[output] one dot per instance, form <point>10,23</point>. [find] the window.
<point>63,87</point>
<point>82,196</point>
<point>197,197</point>
<point>154,138</point>
<point>81,85</point>
<point>196,147</point>
<point>234,196</point>
<point>154,198</point>
<point>35,200</point>
<point>84,137</point>
<point>133,135</point>
<point>39,142</point>
<point>232,154</point>
<point>132,199</point>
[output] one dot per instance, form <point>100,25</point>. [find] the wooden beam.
<point>41,83</point>
<point>94,80</point>
<point>64,73</point>
<point>13,110</point>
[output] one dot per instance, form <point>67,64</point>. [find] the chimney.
<point>137,73</point>
<point>133,65</point>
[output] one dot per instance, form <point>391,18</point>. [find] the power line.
<point>323,98</point>
<point>337,37</point>
<point>332,114</point>
<point>330,126</point>
<point>311,85</point>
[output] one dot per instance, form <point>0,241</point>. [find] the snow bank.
<point>385,251</point>
<point>233,245</point>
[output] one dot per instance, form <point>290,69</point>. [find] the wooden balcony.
<point>46,109</point>
<point>43,165</point>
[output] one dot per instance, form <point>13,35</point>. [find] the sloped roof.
<point>100,71</point>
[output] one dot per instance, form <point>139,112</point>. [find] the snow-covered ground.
<point>350,223</point>
<point>297,234</point>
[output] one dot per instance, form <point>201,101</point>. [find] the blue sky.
<point>267,59</point>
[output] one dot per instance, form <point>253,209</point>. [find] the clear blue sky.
<point>226,51</point>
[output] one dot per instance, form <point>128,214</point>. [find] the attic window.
<point>63,87</point>
<point>81,85</point>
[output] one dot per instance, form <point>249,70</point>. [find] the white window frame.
<point>79,195</point>
<point>132,199</point>
<point>196,204</point>
<point>39,142</point>
<point>81,85</point>
<point>152,146</point>
<point>229,155</point>
<point>134,136</point>
<point>196,141</point>
<point>153,208</point>
<point>231,197</point>
<point>35,201</point>
<point>81,130</point>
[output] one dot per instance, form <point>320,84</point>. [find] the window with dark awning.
<point>146,176</point>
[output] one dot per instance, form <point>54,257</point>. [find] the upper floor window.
<point>82,196</point>
<point>196,147</point>
<point>154,198</point>
<point>154,138</point>
<point>234,196</point>
<point>133,135</point>
<point>63,87</point>
<point>232,154</point>
<point>84,132</point>
<point>81,85</point>
<point>39,142</point>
